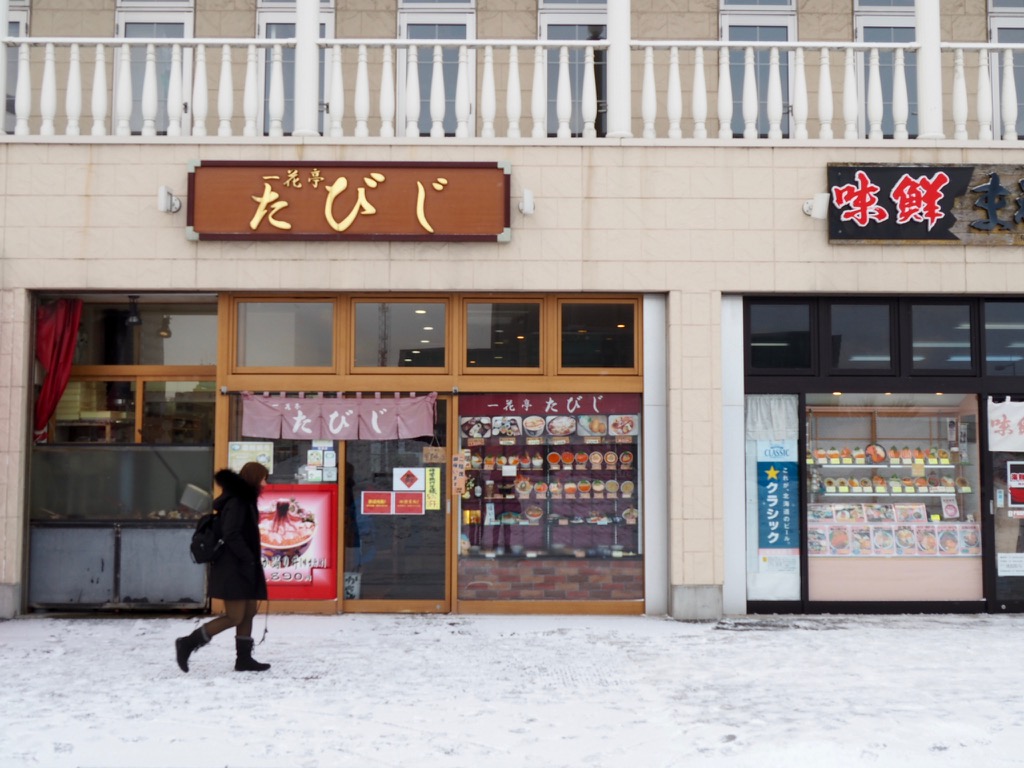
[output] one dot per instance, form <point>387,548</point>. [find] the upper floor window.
<point>578,22</point>
<point>17,26</point>
<point>890,28</point>
<point>436,23</point>
<point>170,21</point>
<point>876,5</point>
<point>276,21</point>
<point>758,27</point>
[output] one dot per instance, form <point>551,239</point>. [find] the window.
<point>280,25</point>
<point>166,333</point>
<point>1004,338</point>
<point>178,412</point>
<point>758,28</point>
<point>598,335</point>
<point>17,26</point>
<point>285,334</point>
<point>400,334</point>
<point>889,29</point>
<point>1007,30</point>
<point>860,337</point>
<point>941,338</point>
<point>502,335</point>
<point>166,24</point>
<point>453,25</point>
<point>578,24</point>
<point>780,337</point>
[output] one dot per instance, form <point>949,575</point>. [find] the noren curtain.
<point>56,337</point>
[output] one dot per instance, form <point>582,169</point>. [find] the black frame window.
<point>780,337</point>
<point>940,338</point>
<point>860,337</point>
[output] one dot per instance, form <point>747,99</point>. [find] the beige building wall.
<point>692,223</point>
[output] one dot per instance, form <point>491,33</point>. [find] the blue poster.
<point>778,497</point>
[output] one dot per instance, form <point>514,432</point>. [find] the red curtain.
<point>56,338</point>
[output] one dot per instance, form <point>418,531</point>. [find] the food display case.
<point>550,478</point>
<point>893,503</point>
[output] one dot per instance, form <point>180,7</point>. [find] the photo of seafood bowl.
<point>286,529</point>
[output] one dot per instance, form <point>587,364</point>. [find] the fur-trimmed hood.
<point>233,485</point>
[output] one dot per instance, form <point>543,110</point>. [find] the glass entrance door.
<point>1007,499</point>
<point>396,523</point>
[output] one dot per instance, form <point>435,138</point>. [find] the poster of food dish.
<point>868,530</point>
<point>299,541</point>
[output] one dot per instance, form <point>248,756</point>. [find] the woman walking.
<point>236,575</point>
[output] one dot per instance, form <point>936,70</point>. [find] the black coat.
<point>237,573</point>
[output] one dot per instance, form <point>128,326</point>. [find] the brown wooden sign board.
<point>348,201</point>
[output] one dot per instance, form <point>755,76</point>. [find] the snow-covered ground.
<point>538,691</point>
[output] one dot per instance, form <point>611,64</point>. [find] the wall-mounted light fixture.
<point>166,202</point>
<point>134,318</point>
<point>165,328</point>
<point>817,206</point>
<point>526,205</point>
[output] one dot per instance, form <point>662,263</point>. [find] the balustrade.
<point>479,88</point>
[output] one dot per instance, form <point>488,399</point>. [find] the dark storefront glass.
<point>780,336</point>
<point>500,335</point>
<point>941,337</point>
<point>860,337</point>
<point>399,334</point>
<point>1004,338</point>
<point>598,335</point>
<point>164,334</point>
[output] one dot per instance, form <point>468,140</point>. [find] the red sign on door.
<point>378,503</point>
<point>408,503</point>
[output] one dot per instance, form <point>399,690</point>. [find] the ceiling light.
<point>421,311</point>
<point>424,341</point>
<point>428,327</point>
<point>134,318</point>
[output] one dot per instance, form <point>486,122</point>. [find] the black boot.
<point>186,645</point>
<point>244,661</point>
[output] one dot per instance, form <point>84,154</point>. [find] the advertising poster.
<point>1015,485</point>
<point>241,453</point>
<point>778,505</point>
<point>299,539</point>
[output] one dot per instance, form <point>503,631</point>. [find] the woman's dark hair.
<point>254,473</point>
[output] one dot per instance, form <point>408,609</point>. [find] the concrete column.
<point>620,92</point>
<point>307,75</point>
<point>929,63</point>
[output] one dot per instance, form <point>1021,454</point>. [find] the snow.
<point>545,691</point>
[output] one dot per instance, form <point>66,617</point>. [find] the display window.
<point>550,497</point>
<point>893,497</point>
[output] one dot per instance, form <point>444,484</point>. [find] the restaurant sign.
<point>348,201</point>
<point>952,204</point>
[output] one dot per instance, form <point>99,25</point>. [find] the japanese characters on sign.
<point>1005,426</point>
<point>341,418</point>
<point>348,201</point>
<point>778,500</point>
<point>957,204</point>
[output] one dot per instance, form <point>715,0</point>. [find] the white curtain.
<point>772,417</point>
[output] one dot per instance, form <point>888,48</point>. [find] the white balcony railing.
<point>502,89</point>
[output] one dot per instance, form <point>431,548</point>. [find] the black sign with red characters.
<point>954,204</point>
